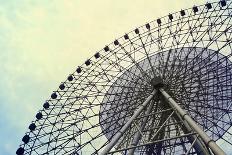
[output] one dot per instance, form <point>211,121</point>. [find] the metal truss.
<point>190,51</point>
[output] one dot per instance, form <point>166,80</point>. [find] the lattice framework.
<point>190,50</point>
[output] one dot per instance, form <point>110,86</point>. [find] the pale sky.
<point>43,41</point>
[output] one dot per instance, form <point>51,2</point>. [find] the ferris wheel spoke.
<point>202,35</point>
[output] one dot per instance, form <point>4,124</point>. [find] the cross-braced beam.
<point>127,125</point>
<point>189,123</point>
<point>208,141</point>
<point>138,135</point>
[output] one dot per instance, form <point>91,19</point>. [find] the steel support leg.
<point>208,141</point>
<point>120,133</point>
<point>137,136</point>
<point>199,145</point>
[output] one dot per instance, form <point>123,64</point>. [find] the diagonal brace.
<point>208,141</point>
<point>120,133</point>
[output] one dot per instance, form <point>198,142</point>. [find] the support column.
<point>120,133</point>
<point>137,136</point>
<point>207,140</point>
<point>199,146</point>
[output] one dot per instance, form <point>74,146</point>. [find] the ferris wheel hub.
<point>157,82</point>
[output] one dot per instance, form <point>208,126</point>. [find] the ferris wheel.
<point>163,88</point>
